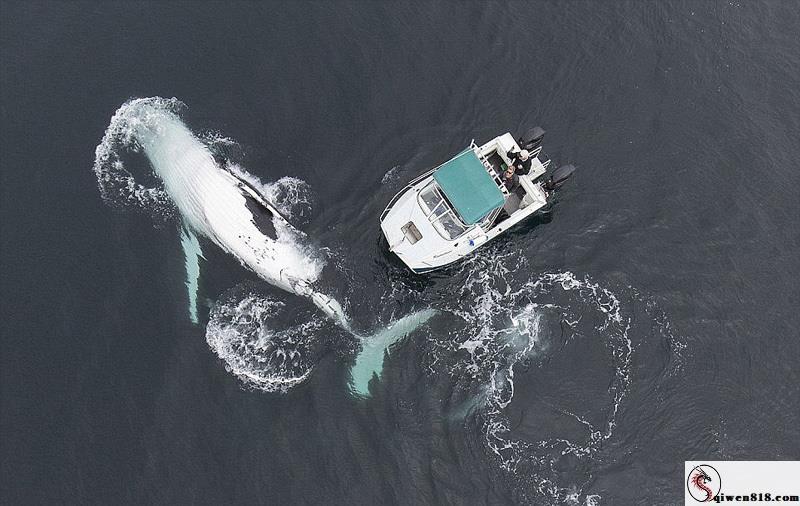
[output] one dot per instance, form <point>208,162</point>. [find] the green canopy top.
<point>469,187</point>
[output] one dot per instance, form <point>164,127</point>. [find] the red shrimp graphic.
<point>699,479</point>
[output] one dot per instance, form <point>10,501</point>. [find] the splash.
<point>246,333</point>
<point>514,326</point>
<point>533,461</point>
<point>117,184</point>
<point>391,175</point>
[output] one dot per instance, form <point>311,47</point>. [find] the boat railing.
<point>488,222</point>
<point>403,191</point>
<point>488,166</point>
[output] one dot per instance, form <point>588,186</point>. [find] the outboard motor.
<point>559,177</point>
<point>532,139</point>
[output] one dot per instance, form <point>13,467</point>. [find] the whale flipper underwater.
<point>192,253</point>
<point>218,204</point>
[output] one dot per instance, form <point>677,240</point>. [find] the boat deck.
<point>497,163</point>
<point>514,199</point>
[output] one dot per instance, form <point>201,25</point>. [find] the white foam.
<point>391,175</point>
<point>506,325</point>
<point>239,331</point>
<point>116,183</point>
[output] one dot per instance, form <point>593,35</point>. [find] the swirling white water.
<point>515,326</point>
<point>245,332</point>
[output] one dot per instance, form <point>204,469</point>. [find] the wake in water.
<point>219,200</point>
<point>552,322</point>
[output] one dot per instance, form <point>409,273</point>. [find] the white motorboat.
<point>451,210</point>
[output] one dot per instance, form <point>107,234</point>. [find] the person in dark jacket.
<point>510,179</point>
<point>521,161</point>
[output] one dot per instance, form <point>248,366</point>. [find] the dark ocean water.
<point>664,280</point>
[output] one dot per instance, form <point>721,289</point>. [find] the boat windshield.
<point>440,213</point>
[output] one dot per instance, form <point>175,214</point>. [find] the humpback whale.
<point>215,203</point>
<point>220,204</point>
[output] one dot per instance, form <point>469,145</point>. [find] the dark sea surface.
<point>662,284</point>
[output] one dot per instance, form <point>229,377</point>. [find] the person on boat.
<point>510,179</point>
<point>521,161</point>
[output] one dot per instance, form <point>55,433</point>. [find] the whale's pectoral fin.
<point>369,362</point>
<point>191,254</point>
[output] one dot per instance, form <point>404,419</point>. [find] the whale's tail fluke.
<point>369,362</point>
